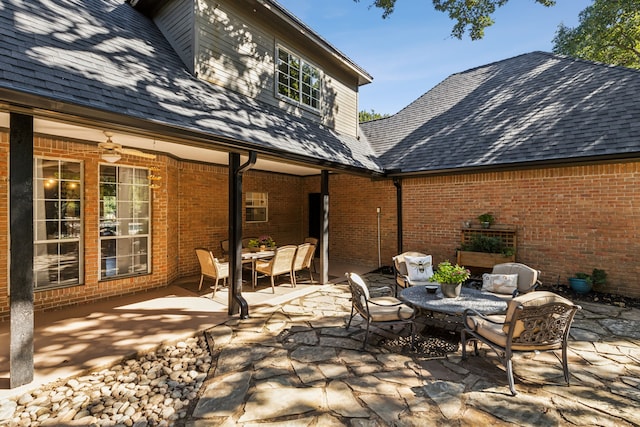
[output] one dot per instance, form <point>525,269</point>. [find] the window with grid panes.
<point>57,223</point>
<point>256,206</point>
<point>298,80</point>
<point>125,229</point>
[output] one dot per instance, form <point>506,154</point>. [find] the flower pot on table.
<point>450,290</point>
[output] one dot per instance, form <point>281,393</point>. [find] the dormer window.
<point>298,80</point>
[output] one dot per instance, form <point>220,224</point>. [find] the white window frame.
<point>57,221</point>
<point>256,201</point>
<point>125,236</point>
<point>298,97</point>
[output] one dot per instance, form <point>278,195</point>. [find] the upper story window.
<point>256,206</point>
<point>125,213</point>
<point>297,79</point>
<point>57,223</point>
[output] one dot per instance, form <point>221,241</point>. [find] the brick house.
<point>549,144</point>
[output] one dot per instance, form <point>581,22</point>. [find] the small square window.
<point>256,206</point>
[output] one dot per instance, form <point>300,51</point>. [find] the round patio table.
<point>481,301</point>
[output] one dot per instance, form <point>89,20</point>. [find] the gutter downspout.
<point>397,182</point>
<point>236,300</point>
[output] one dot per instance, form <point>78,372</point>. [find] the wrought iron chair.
<point>401,270</point>
<point>381,310</point>
<point>536,321</point>
<point>528,278</point>
<point>212,268</point>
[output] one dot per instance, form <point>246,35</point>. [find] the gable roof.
<point>103,60</point>
<point>531,109</point>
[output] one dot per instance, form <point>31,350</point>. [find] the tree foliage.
<point>608,31</point>
<point>470,16</point>
<point>367,116</point>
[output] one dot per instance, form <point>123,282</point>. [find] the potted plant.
<point>598,278</point>
<point>580,283</point>
<point>450,278</point>
<point>486,219</point>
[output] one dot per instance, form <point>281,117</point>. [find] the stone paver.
<point>297,365</point>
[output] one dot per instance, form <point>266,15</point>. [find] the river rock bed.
<point>154,389</point>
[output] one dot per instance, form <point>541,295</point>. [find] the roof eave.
<point>577,161</point>
<point>43,107</point>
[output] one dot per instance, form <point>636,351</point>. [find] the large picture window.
<point>124,221</point>
<point>298,80</point>
<point>57,223</point>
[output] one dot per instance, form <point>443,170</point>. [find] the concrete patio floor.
<point>293,363</point>
<point>73,340</point>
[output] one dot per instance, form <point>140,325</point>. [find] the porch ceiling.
<point>156,146</point>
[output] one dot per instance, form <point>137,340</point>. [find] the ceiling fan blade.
<point>134,152</point>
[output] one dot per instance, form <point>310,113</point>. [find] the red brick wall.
<point>568,219</point>
<point>203,198</point>
<point>163,242</point>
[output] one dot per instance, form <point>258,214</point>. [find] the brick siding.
<point>568,219</point>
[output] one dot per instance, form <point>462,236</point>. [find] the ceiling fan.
<point>112,152</point>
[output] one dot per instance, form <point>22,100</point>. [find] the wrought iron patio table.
<point>481,301</point>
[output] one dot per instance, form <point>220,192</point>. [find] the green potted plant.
<point>598,278</point>
<point>580,283</point>
<point>450,278</point>
<point>485,251</point>
<point>486,219</point>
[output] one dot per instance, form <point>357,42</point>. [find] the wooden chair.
<point>212,268</point>
<point>281,263</point>
<point>535,321</point>
<point>302,260</point>
<point>381,310</point>
<point>314,242</point>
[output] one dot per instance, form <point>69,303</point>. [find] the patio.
<point>294,363</point>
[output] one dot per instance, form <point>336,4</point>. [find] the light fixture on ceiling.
<point>110,156</point>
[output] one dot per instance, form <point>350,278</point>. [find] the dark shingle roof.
<point>104,55</point>
<point>536,107</point>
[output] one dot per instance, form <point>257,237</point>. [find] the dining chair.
<point>211,267</point>
<point>402,273</point>
<point>314,242</point>
<point>536,321</point>
<point>302,260</point>
<point>281,263</point>
<point>382,310</point>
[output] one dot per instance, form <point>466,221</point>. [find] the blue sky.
<point>412,51</point>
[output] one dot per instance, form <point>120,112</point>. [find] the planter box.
<point>482,259</point>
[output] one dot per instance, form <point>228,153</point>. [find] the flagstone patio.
<point>294,364</point>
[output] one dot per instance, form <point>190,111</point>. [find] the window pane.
<point>57,212</point>
<point>124,221</point>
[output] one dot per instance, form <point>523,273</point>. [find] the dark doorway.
<point>315,211</point>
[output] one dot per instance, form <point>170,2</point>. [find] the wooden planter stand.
<point>482,259</point>
<point>506,233</point>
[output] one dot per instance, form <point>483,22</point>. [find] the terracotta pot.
<point>451,290</point>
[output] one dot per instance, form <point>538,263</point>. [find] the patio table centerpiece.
<point>451,277</point>
<point>262,243</point>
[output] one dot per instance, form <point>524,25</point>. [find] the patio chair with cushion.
<point>511,279</point>
<point>302,260</point>
<point>281,263</point>
<point>381,310</point>
<point>535,321</point>
<point>211,267</point>
<point>412,268</point>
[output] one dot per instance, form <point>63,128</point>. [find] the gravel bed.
<point>154,389</point>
